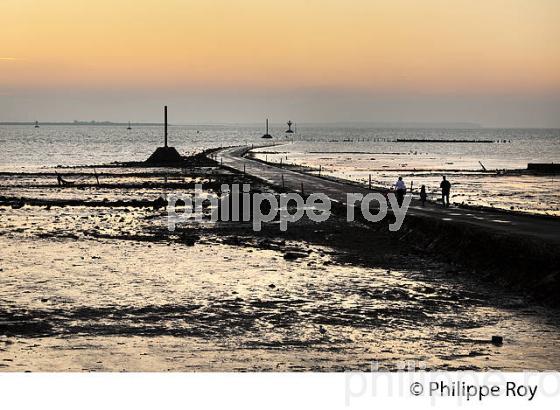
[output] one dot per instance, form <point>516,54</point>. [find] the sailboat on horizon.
<point>129,127</point>
<point>36,124</point>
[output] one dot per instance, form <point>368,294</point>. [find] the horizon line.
<point>372,124</point>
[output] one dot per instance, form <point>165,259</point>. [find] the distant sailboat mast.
<point>36,124</point>
<point>129,127</point>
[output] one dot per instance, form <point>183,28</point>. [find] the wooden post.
<point>369,185</point>
<point>280,161</point>
<point>320,170</point>
<point>243,169</point>
<point>282,181</point>
<point>96,176</point>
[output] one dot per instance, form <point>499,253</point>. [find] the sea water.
<point>355,152</point>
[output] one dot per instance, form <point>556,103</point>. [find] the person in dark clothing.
<point>400,190</point>
<point>423,195</point>
<point>445,191</point>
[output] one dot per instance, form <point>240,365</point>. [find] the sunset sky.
<point>494,62</point>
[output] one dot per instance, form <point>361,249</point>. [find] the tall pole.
<point>165,121</point>
<point>267,126</point>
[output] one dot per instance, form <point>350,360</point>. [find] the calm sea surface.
<point>349,152</point>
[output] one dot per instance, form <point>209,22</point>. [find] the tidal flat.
<point>91,279</point>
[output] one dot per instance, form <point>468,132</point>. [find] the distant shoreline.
<point>102,123</point>
<point>357,125</point>
<point>403,125</point>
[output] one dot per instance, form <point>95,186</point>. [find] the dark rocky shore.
<point>528,265</point>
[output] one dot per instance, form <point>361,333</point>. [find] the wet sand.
<point>108,288</point>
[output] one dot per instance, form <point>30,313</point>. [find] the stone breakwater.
<point>524,263</point>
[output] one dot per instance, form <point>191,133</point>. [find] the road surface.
<point>537,226</point>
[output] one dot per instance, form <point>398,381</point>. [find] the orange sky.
<point>428,46</point>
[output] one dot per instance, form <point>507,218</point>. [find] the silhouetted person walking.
<point>445,190</point>
<point>423,195</point>
<point>400,189</point>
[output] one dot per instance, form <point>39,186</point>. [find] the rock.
<point>19,204</point>
<point>233,240</point>
<point>292,256</point>
<point>264,243</point>
<point>189,239</point>
<point>475,354</point>
<point>272,286</point>
<point>165,156</point>
<point>159,203</point>
<point>322,330</point>
<point>497,340</point>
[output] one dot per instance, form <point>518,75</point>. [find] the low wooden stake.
<point>96,176</point>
